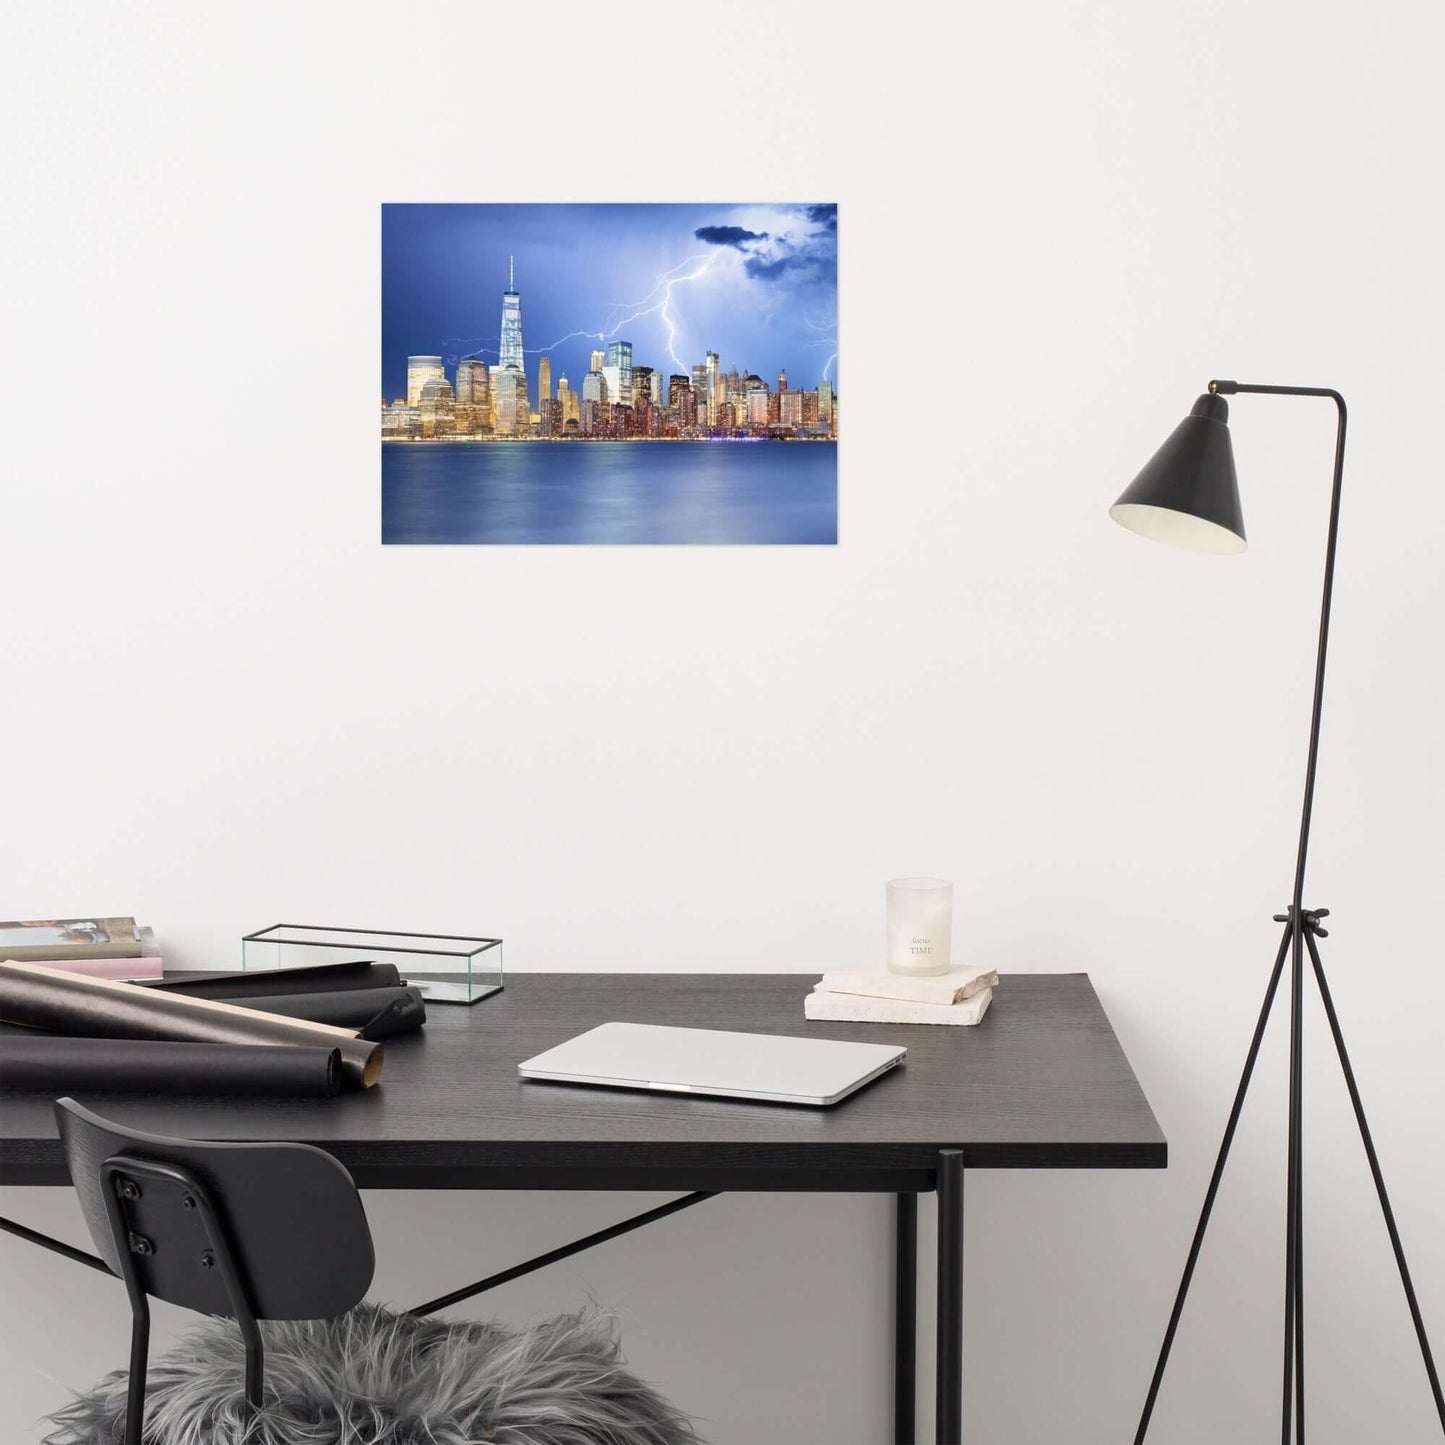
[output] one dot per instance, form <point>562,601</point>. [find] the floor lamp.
<point>1188,496</point>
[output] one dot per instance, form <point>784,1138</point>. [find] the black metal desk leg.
<point>950,1298</point>
<point>905,1319</point>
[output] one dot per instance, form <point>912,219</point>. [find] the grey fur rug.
<point>371,1377</point>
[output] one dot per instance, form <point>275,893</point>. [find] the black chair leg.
<point>255,1364</point>
<point>135,1395</point>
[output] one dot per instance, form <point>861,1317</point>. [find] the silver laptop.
<point>711,1061</point>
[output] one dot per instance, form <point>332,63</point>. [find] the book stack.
<point>960,996</point>
<point>95,947</point>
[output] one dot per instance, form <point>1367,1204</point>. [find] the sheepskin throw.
<point>371,1377</point>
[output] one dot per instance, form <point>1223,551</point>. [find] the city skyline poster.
<point>609,373</point>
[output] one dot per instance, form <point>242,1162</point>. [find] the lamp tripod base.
<point>1301,934</point>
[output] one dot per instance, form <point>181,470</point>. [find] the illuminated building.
<point>686,406</point>
<point>825,403</point>
<point>400,420</point>
<point>510,410</point>
<point>774,408</point>
<point>419,371</point>
<point>790,408</point>
<point>712,387</point>
<point>437,405</point>
<point>587,420</point>
<point>675,385</point>
<point>473,392</point>
<point>657,388</point>
<point>618,371</point>
<point>482,395</point>
<point>544,384</point>
<point>599,360</point>
<point>568,398</point>
<point>594,386</point>
<point>757,405</point>
<point>782,381</point>
<point>810,409</point>
<point>551,417</point>
<point>642,383</point>
<point>512,353</point>
<point>699,388</point>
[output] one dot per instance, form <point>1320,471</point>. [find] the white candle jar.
<point>920,925</point>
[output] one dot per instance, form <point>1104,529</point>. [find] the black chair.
<point>245,1231</point>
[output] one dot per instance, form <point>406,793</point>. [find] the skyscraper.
<point>642,379</point>
<point>419,371</point>
<point>782,381</point>
<point>544,383</point>
<point>512,354</point>
<point>599,360</point>
<point>437,405</point>
<point>482,396</point>
<point>512,415</point>
<point>825,404</point>
<point>510,405</point>
<point>713,394</point>
<point>473,402</point>
<point>618,371</point>
<point>568,398</point>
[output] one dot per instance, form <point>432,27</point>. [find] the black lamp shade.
<point>1187,494</point>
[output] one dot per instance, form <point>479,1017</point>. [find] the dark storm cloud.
<point>737,236</point>
<point>825,216</point>
<point>761,270</point>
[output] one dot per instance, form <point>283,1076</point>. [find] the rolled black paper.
<point>272,982</point>
<point>101,1008</point>
<point>48,1063</point>
<point>377,1012</point>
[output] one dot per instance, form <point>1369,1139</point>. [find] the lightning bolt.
<point>829,338</point>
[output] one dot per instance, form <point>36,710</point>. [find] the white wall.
<point>228,704</point>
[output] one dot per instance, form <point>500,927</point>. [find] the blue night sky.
<point>758,284</point>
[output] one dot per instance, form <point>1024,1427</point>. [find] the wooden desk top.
<point>1041,1083</point>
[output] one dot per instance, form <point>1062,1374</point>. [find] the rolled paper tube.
<point>98,1008</point>
<point>46,1063</point>
<point>350,1008</point>
<point>270,982</point>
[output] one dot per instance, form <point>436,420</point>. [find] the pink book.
<point>122,969</point>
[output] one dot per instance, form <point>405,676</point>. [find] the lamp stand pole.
<point>1302,929</point>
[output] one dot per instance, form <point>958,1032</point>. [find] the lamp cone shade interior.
<point>1188,494</point>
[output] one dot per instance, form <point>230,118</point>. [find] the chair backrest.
<point>286,1218</point>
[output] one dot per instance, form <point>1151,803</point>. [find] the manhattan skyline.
<point>756,284</point>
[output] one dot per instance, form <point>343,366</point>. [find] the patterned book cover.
<point>37,940</point>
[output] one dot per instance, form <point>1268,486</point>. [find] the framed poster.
<point>609,374</point>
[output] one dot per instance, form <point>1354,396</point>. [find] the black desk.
<point>1041,1084</point>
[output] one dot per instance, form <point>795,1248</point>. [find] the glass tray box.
<point>447,968</point>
